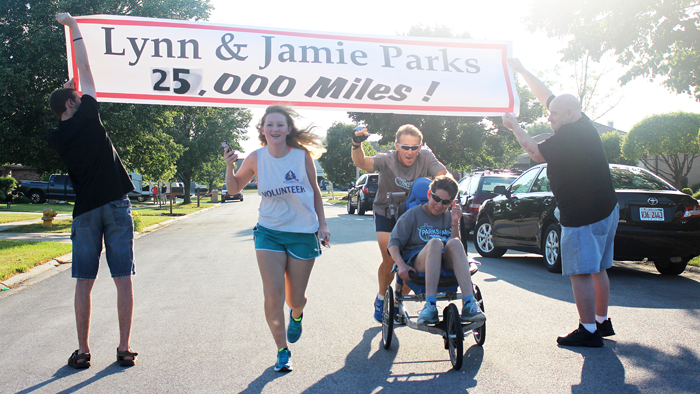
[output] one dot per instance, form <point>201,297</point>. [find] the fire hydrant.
<point>49,214</point>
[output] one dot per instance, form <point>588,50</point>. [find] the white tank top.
<point>287,197</point>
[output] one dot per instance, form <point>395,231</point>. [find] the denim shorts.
<point>301,246</point>
<point>383,224</point>
<point>112,223</point>
<point>589,249</point>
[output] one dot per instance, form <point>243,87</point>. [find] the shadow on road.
<point>66,371</point>
<point>602,369</point>
<point>631,286</point>
<point>380,376</point>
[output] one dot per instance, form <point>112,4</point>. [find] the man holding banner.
<point>102,209</point>
<point>397,170</point>
<point>586,202</point>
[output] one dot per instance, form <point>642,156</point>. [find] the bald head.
<point>563,110</point>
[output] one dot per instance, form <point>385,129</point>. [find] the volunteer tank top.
<point>287,197</point>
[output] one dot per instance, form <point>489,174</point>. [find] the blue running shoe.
<point>283,364</point>
<point>378,309</point>
<point>471,312</point>
<point>429,315</point>
<point>294,328</point>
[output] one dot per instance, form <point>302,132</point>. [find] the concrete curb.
<point>59,264</point>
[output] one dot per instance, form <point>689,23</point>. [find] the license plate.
<point>651,214</point>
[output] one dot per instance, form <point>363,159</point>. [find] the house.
<point>20,172</point>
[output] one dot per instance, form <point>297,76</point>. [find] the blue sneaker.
<point>294,328</point>
<point>429,315</point>
<point>471,312</point>
<point>283,363</point>
<point>378,309</point>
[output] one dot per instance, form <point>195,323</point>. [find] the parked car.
<point>361,195</point>
<point>59,187</point>
<point>142,191</point>
<point>474,189</point>
<point>657,222</point>
<point>225,196</point>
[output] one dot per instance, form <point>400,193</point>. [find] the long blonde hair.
<point>301,139</point>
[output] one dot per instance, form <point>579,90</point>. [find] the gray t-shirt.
<point>395,177</point>
<point>416,227</point>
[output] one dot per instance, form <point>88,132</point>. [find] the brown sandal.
<point>121,358</point>
<point>75,357</point>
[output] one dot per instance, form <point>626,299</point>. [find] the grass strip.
<point>60,208</point>
<point>59,226</point>
<point>20,256</point>
<point>17,217</point>
<point>695,261</point>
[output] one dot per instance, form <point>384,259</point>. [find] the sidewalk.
<point>55,237</point>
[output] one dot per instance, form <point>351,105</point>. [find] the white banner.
<point>162,61</point>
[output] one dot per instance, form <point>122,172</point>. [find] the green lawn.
<point>20,256</point>
<point>17,217</point>
<point>60,208</point>
<point>59,226</point>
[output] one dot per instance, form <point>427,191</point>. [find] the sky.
<point>488,20</point>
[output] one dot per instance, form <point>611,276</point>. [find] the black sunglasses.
<point>440,200</point>
<point>407,147</point>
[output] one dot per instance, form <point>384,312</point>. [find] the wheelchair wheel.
<point>388,317</point>
<point>479,333</point>
<point>454,336</point>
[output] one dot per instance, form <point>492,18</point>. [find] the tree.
<point>200,130</point>
<point>538,128</point>
<point>33,64</point>
<point>654,37</point>
<point>337,162</point>
<point>672,138</point>
<point>612,145</point>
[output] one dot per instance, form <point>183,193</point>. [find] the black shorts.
<point>383,224</point>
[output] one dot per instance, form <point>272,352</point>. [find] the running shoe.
<point>581,337</point>
<point>471,312</point>
<point>429,315</point>
<point>283,364</point>
<point>294,328</point>
<point>605,328</point>
<point>378,309</point>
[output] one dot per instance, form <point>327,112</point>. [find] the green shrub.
<point>687,191</point>
<point>138,221</point>
<point>7,185</point>
<point>21,200</point>
<point>697,195</point>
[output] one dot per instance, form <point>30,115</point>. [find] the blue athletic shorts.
<point>112,223</point>
<point>589,249</point>
<point>301,246</point>
<point>383,224</point>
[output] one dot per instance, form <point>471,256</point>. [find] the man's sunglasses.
<point>407,147</point>
<point>440,200</point>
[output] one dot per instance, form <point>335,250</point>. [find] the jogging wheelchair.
<point>450,326</point>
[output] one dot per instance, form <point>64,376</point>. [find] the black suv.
<point>476,188</point>
<point>361,194</point>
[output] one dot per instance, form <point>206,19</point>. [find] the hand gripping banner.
<point>163,61</point>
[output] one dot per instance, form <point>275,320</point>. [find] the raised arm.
<point>538,87</point>
<point>524,139</point>
<point>358,154</point>
<point>87,84</point>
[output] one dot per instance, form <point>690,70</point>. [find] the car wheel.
<point>483,240</point>
<point>141,198</point>
<point>360,207</point>
<point>37,196</point>
<point>551,248</point>
<point>351,210</point>
<point>241,199</point>
<point>666,267</point>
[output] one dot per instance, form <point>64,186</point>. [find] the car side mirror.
<point>500,189</point>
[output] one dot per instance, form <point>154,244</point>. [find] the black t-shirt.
<point>579,174</point>
<point>94,167</point>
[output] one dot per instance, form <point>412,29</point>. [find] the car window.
<point>522,184</point>
<point>542,182</point>
<point>490,182</point>
<point>637,178</point>
<point>360,180</point>
<point>373,180</point>
<point>464,185</point>
<point>473,185</point>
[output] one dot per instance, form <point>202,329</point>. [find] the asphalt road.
<point>199,325</point>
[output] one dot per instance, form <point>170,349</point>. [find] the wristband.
<point>76,39</point>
